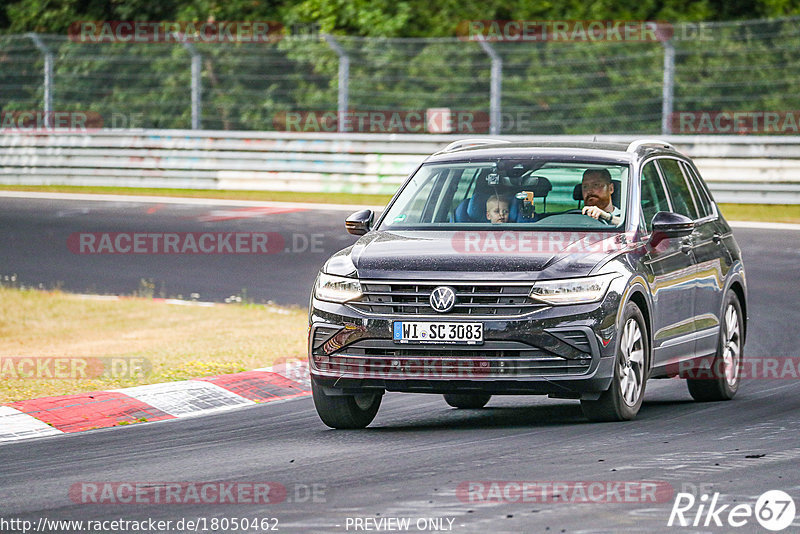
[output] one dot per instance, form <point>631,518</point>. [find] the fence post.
<point>668,88</point>
<point>48,77</point>
<point>495,88</point>
<point>197,87</point>
<point>344,79</point>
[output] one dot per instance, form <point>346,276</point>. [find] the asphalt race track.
<point>34,245</point>
<point>419,455</point>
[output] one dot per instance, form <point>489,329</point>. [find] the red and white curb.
<point>49,416</point>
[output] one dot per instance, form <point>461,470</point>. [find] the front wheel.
<point>621,402</point>
<point>345,411</point>
<point>467,401</point>
<point>726,368</point>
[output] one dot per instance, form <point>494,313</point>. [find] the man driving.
<point>597,190</point>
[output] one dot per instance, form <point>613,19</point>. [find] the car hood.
<point>501,255</point>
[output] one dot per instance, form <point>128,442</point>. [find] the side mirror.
<point>359,222</point>
<point>667,224</point>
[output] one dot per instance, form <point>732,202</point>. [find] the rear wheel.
<point>725,374</point>
<point>468,401</point>
<point>345,411</point>
<point>621,402</point>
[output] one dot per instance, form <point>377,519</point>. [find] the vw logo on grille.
<point>443,299</point>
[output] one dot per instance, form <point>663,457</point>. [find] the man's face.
<point>596,191</point>
<point>497,211</point>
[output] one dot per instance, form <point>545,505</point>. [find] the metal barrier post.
<point>48,77</point>
<point>495,88</point>
<point>344,79</point>
<point>197,88</point>
<point>667,90</point>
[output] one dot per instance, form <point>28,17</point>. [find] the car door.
<point>683,202</point>
<point>671,272</point>
<point>712,262</point>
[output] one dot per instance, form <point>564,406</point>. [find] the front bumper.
<point>561,351</point>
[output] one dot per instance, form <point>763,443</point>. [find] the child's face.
<point>497,211</point>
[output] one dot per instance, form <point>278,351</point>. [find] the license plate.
<point>427,332</point>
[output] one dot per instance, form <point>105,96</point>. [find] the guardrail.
<point>754,169</point>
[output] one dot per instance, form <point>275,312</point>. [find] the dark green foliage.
<point>548,87</point>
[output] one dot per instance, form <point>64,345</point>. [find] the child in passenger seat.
<point>497,209</point>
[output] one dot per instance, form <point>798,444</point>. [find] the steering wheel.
<point>580,211</point>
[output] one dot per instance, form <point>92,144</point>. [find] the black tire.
<point>723,379</point>
<point>467,401</point>
<point>345,411</point>
<point>622,400</point>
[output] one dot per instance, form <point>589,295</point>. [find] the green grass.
<point>166,342</point>
<point>732,212</point>
<point>761,212</point>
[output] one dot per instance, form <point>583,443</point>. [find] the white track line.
<point>186,200</point>
<point>764,225</point>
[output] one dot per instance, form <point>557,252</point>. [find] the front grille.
<point>382,359</point>
<point>413,298</point>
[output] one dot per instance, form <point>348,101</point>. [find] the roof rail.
<point>465,143</point>
<point>634,146</point>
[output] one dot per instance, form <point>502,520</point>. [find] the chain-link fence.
<point>520,87</point>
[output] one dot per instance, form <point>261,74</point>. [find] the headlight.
<point>572,290</point>
<point>337,288</point>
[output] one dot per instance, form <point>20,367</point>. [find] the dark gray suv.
<point>575,270</point>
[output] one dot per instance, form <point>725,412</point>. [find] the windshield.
<point>523,194</point>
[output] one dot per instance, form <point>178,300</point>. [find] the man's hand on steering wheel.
<point>597,213</point>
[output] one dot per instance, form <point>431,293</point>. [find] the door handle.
<point>717,237</point>
<point>686,246</point>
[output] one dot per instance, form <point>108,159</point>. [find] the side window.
<point>465,185</point>
<point>700,194</point>
<point>682,201</point>
<point>420,205</point>
<point>654,199</point>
